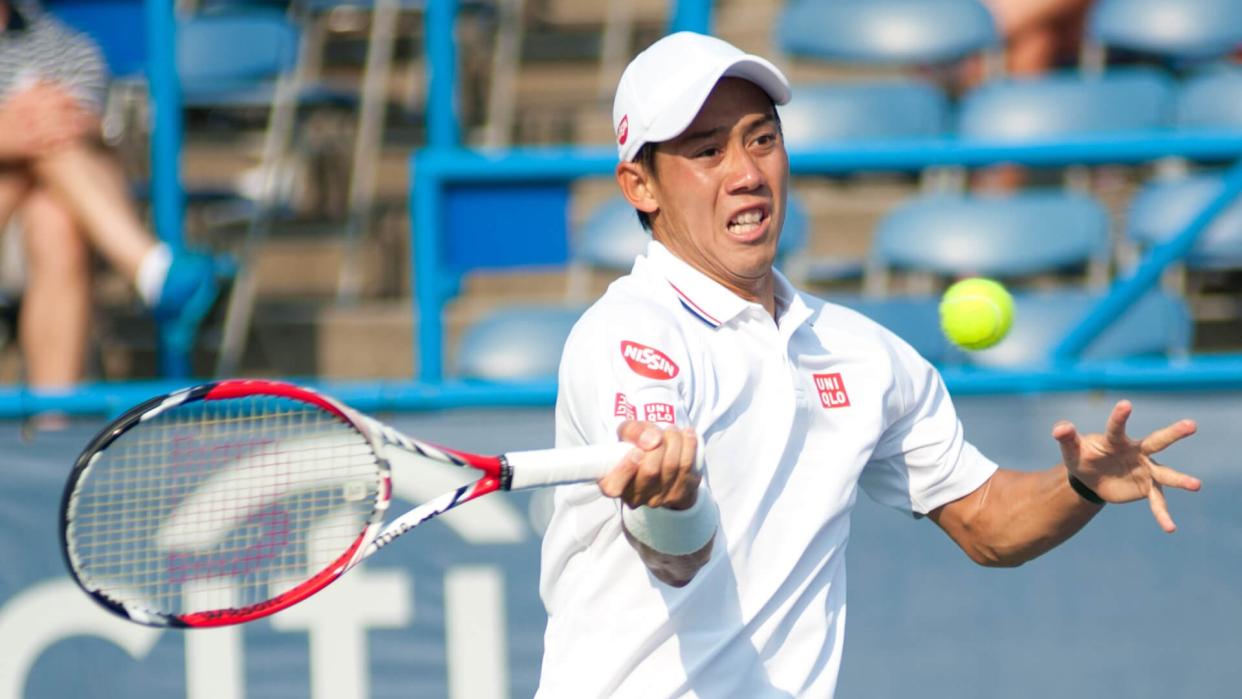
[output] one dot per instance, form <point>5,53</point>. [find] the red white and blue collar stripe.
<point>694,308</point>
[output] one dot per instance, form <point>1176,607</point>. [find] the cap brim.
<point>757,70</point>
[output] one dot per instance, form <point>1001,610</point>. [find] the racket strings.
<point>222,504</point>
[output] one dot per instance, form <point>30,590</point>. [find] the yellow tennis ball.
<point>976,313</point>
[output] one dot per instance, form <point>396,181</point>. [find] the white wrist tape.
<point>674,532</point>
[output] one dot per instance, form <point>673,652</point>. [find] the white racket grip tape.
<point>543,467</point>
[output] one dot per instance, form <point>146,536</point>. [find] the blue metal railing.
<point>445,164</point>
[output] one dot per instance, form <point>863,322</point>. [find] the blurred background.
<point>412,201</point>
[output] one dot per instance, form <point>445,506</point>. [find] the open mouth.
<point>748,222</point>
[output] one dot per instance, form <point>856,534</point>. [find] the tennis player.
<point>666,580</point>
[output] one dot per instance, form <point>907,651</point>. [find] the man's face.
<point>720,188</point>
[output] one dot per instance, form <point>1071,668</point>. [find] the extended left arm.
<point>1017,516</point>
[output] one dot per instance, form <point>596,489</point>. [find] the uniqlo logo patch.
<point>623,130</point>
<point>831,390</point>
<point>658,412</point>
<point>624,408</point>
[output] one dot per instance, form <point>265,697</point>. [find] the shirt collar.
<point>712,303</point>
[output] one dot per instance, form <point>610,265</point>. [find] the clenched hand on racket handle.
<point>1120,469</point>
<point>660,471</point>
<point>667,516</point>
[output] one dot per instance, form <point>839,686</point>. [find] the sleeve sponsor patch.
<point>659,412</point>
<point>648,361</point>
<point>624,408</point>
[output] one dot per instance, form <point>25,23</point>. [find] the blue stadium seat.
<point>1180,29</point>
<point>1211,98</point>
<point>899,33</point>
<point>263,48</point>
<point>1208,99</point>
<point>1161,210</point>
<point>516,343</point>
<point>893,32</point>
<point>825,113</point>
<point>1157,325</point>
<point>1021,234</point>
<point>1067,103</point>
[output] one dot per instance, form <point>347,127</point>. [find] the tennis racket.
<point>229,501</point>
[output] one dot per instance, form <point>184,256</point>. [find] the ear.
<point>636,186</point>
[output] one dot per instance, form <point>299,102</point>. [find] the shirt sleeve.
<point>621,366</point>
<point>81,70</point>
<point>922,460</point>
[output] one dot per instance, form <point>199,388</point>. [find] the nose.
<point>744,174</point>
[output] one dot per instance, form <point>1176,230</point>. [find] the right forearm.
<point>670,569</point>
<point>673,543</point>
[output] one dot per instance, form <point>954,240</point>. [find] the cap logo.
<point>648,361</point>
<point>623,130</point>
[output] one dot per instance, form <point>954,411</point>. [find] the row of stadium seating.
<point>1031,234</point>
<point>1190,90</point>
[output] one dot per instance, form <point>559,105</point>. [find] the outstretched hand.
<point>1120,469</point>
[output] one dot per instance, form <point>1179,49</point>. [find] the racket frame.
<point>496,476</point>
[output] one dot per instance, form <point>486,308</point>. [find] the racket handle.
<point>543,467</point>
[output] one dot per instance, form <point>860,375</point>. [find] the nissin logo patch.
<point>648,361</point>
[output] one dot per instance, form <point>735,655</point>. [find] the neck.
<point>760,289</point>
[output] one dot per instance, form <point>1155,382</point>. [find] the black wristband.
<point>1084,492</point>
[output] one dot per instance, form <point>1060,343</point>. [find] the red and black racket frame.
<point>497,475</point>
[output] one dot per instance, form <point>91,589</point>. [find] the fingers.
<point>1116,427</point>
<point>1067,436</point>
<point>1160,509</point>
<point>613,483</point>
<point>659,471</point>
<point>1160,440</point>
<point>1163,475</point>
<point>656,472</point>
<point>689,447</point>
<point>645,437</point>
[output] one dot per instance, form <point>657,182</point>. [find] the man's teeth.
<point>745,221</point>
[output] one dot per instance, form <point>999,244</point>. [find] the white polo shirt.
<point>795,416</point>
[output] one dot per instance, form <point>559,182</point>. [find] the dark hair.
<point>647,159</point>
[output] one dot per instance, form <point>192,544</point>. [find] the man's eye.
<point>709,152</point>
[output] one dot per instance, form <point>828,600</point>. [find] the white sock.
<point>152,272</point>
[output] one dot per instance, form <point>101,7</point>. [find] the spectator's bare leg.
<point>14,186</point>
<point>55,317</point>
<point>92,186</point>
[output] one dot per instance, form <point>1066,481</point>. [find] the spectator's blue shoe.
<point>190,289</point>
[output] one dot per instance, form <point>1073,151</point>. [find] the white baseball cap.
<point>663,88</point>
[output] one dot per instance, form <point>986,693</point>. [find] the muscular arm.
<point>1016,516</point>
